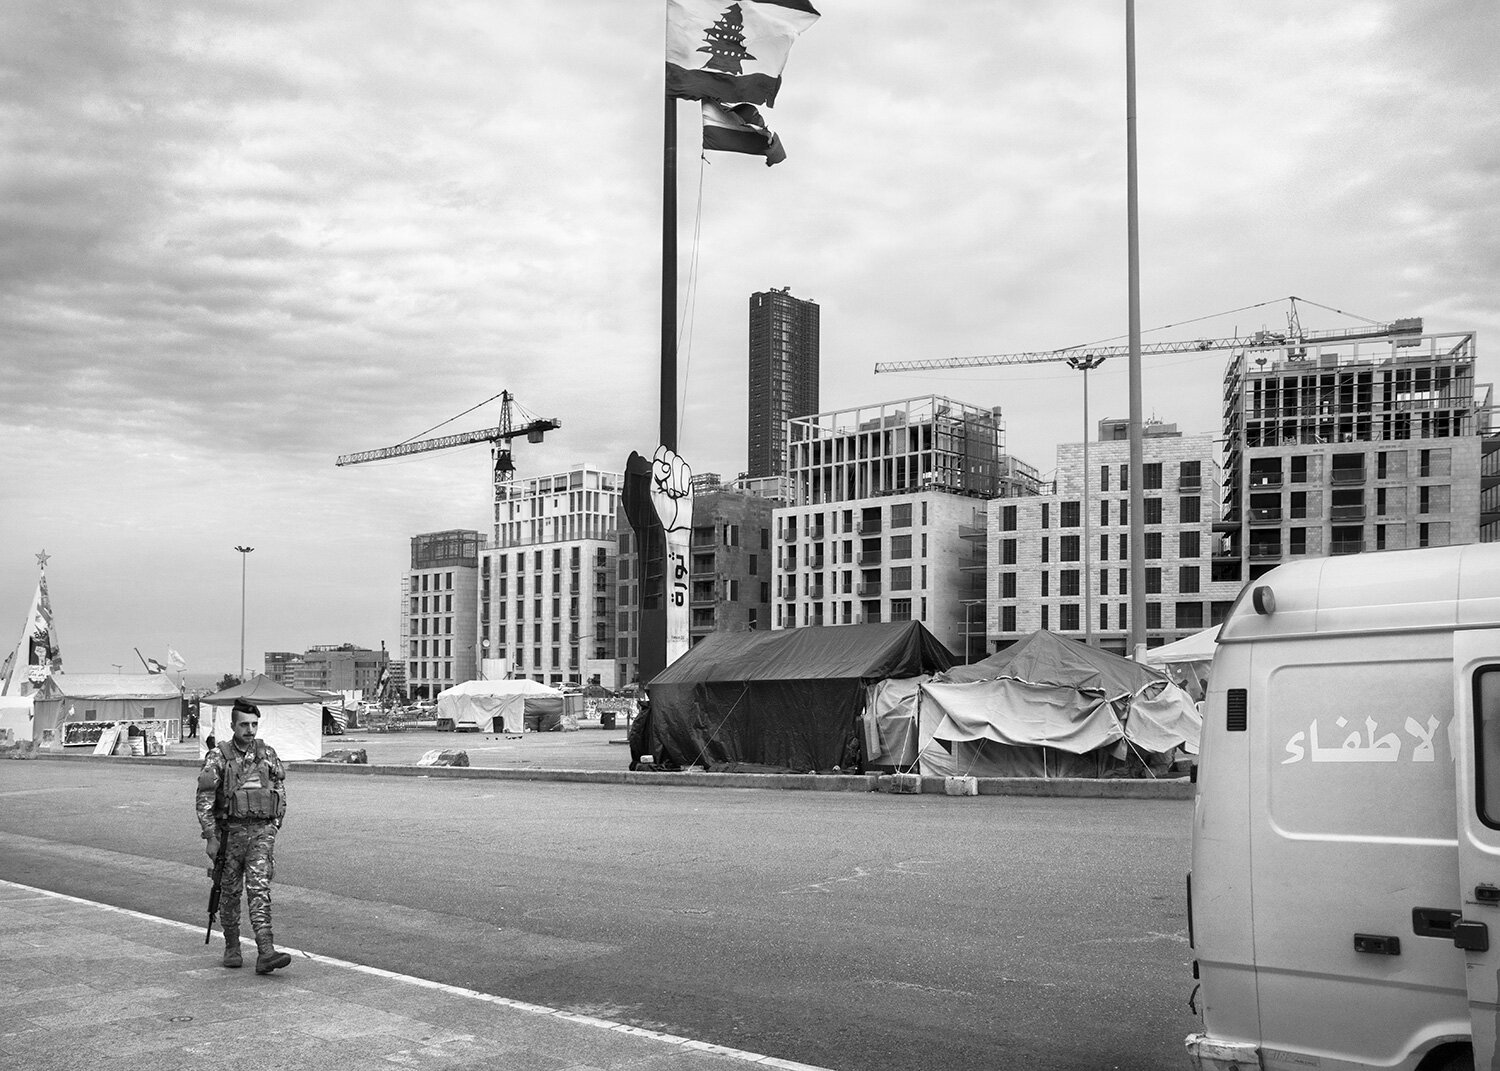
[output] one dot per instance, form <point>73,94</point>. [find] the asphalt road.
<point>852,931</point>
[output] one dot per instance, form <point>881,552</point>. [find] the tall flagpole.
<point>669,275</point>
<point>1137,446</point>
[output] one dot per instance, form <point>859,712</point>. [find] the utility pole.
<point>244,558</point>
<point>1137,640</point>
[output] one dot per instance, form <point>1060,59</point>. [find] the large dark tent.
<point>787,699</point>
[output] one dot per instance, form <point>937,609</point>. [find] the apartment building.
<point>783,372</point>
<point>1353,447</point>
<point>439,635</point>
<point>338,668</point>
<point>1061,561</point>
<point>546,596</point>
<point>887,501</point>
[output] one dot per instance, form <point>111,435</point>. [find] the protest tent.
<point>1049,706</point>
<point>499,706</point>
<point>1188,660</point>
<point>786,700</point>
<point>75,709</point>
<point>291,720</point>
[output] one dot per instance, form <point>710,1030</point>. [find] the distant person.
<point>639,734</point>
<point>241,801</point>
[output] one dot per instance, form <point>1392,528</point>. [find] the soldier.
<point>242,798</point>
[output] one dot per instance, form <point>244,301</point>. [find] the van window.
<point>1487,744</point>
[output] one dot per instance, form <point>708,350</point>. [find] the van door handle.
<point>1445,922</point>
<point>1487,894</point>
<point>1471,936</point>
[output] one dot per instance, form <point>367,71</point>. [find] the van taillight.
<point>1237,707</point>
<point>1190,916</point>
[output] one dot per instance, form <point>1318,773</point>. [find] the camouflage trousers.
<point>249,865</point>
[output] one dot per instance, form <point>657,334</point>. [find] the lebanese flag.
<point>739,128</point>
<point>731,49</point>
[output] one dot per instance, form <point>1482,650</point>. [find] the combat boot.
<point>232,957</point>
<point>269,959</point>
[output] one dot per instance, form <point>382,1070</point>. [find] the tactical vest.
<point>267,802</point>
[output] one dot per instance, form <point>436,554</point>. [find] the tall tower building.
<point>783,374</point>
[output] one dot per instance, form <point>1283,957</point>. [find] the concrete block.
<point>961,786</point>
<point>440,757</point>
<point>901,784</point>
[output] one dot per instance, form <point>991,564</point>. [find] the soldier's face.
<point>245,727</point>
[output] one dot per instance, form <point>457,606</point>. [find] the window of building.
<point>1068,515</point>
<point>1187,579</point>
<point>1188,509</point>
<point>1189,615</point>
<point>1046,514</point>
<point>1007,585</point>
<point>1069,548</point>
<point>1007,518</point>
<point>1103,581</point>
<point>1424,498</point>
<point>1007,552</point>
<point>1123,575</point>
<point>1189,475</point>
<point>1424,535</point>
<point>1153,615</point>
<point>1124,511</point>
<point>900,609</point>
<point>1046,585</point>
<point>1124,547</point>
<point>1153,511</point>
<point>900,514</point>
<point>1104,477</point>
<point>1045,621</point>
<point>1299,468</point>
<point>1151,476</point>
<point>1153,544</point>
<point>900,546</point>
<point>1067,582</point>
<point>1103,512</point>
<point>1067,617</point>
<point>1007,619</point>
<point>1153,580</point>
<point>1104,548</point>
<point>901,578</point>
<point>1187,544</point>
<point>1044,549</point>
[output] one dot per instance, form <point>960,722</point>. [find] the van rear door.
<point>1476,739</point>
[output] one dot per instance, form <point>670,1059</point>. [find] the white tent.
<point>291,721</point>
<point>494,706</point>
<point>1188,660</point>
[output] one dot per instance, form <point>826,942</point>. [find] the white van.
<point>1346,827</point>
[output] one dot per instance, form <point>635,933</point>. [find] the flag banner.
<point>731,51</point>
<point>37,655</point>
<point>175,660</point>
<point>153,666</point>
<point>740,129</point>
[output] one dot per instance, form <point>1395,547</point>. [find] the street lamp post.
<point>1083,364</point>
<point>244,558</point>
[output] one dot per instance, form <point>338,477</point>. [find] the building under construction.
<point>1347,447</point>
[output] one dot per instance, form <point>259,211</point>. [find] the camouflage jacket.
<point>216,768</point>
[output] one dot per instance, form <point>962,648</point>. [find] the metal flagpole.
<point>1137,446</point>
<point>669,276</point>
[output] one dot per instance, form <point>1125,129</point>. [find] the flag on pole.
<point>731,51</point>
<point>740,128</point>
<point>153,666</point>
<point>175,660</point>
<point>37,655</point>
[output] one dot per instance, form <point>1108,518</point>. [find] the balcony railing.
<point>815,562</point>
<point>1264,516</point>
<point>1346,546</point>
<point>867,527</point>
<point>815,593</point>
<point>816,533</point>
<point>1347,475</point>
<point>871,557</point>
<point>1347,513</point>
<point>868,589</point>
<point>1265,479</point>
<point>1263,551</point>
<point>1189,483</point>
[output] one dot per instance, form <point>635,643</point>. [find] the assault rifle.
<point>218,875</point>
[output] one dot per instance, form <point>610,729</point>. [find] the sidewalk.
<point>86,985</point>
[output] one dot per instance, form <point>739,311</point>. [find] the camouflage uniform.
<point>249,858</point>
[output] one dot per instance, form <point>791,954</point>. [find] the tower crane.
<point>1293,341</point>
<point>500,435</point>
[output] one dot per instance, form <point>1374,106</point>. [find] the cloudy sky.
<point>242,237</point>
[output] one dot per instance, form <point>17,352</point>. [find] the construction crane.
<point>1294,341</point>
<point>500,435</point>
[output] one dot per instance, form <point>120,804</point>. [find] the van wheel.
<point>1449,1058</point>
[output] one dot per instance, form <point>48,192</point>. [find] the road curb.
<point>1162,789</point>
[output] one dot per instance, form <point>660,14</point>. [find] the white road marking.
<point>458,991</point>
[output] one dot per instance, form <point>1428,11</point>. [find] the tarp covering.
<point>787,699</point>
<point>497,706</point>
<point>1057,708</point>
<point>291,721</point>
<point>15,717</point>
<point>65,698</point>
<point>890,722</point>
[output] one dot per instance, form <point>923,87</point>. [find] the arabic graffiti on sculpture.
<point>1366,748</point>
